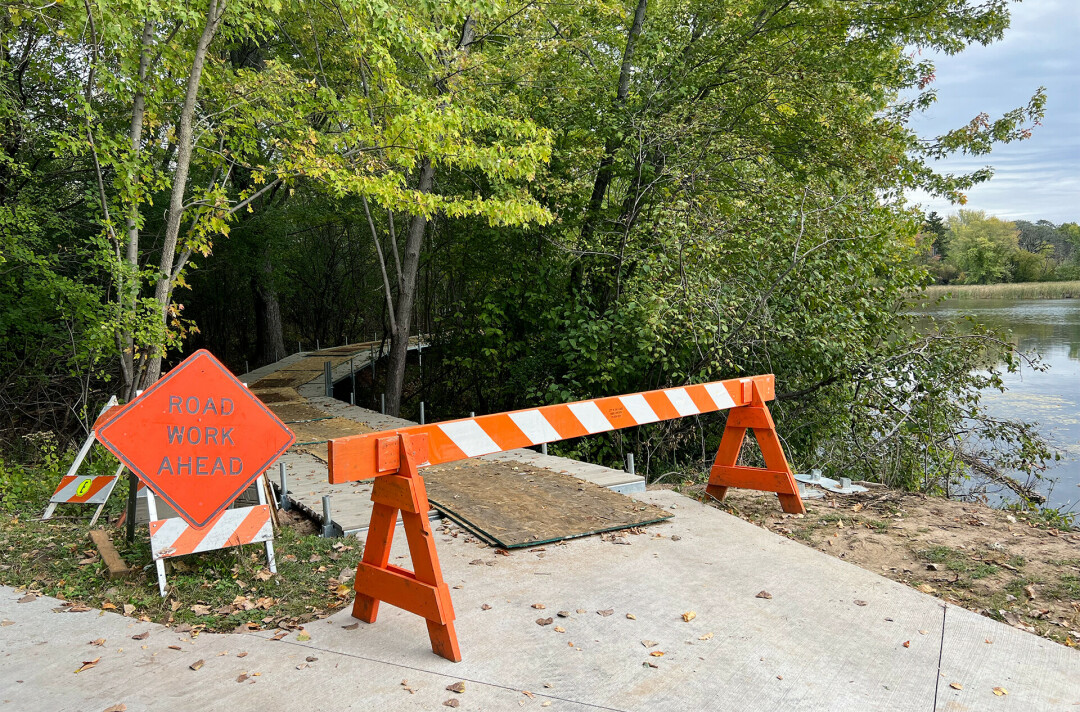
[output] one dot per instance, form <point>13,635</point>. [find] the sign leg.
<point>271,562</point>
<point>151,509</point>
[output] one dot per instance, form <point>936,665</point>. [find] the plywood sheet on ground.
<point>270,396</point>
<point>511,504</point>
<point>297,412</point>
<point>319,431</point>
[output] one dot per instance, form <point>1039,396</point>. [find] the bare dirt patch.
<point>998,563</point>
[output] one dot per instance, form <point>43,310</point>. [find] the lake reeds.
<point>1017,290</point>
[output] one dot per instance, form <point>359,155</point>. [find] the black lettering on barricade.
<point>226,434</point>
<point>176,402</point>
<point>218,465</point>
<point>200,466</point>
<point>194,435</point>
<point>236,465</point>
<point>183,463</point>
<point>165,466</point>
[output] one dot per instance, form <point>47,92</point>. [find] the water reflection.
<point>1050,327</point>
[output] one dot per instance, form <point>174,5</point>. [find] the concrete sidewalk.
<point>812,646</point>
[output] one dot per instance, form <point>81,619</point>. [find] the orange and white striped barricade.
<point>233,527</point>
<point>85,489</point>
<point>394,459</point>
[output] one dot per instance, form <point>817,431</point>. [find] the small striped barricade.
<point>85,489</point>
<point>233,527</point>
<point>394,458</point>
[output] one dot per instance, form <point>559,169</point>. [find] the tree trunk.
<point>166,274</point>
<point>605,170</point>
<point>269,342</point>
<point>399,346</point>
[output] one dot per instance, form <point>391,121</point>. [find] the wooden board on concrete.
<point>298,412</point>
<point>109,554</point>
<point>513,504</point>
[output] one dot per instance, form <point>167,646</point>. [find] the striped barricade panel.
<point>83,489</point>
<point>233,527</point>
<point>356,458</point>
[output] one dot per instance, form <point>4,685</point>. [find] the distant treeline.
<point>973,248</point>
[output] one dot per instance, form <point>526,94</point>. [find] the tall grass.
<point>1021,290</point>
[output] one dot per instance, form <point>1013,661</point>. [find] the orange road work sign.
<point>197,437</point>
<point>395,457</point>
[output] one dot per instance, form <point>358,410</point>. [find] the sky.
<point>1034,179</point>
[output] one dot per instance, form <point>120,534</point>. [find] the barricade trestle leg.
<point>776,476</point>
<point>421,591</point>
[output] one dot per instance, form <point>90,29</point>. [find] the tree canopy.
<point>572,200</point>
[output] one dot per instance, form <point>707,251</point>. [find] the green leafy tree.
<point>982,247</point>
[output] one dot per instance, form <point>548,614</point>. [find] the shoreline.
<point>1006,290</point>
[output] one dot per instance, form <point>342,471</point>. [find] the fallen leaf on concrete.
<point>860,603</point>
<point>563,614</point>
<point>87,664</point>
<point>241,655</point>
<point>405,684</point>
<point>485,607</point>
<point>607,612</point>
<point>559,629</point>
<point>546,703</point>
<point>174,647</point>
<point>988,641</point>
<point>689,616</point>
<point>528,694</point>
<point>999,691</point>
<point>99,641</point>
<point>779,677</point>
<point>675,537</point>
<point>5,623</point>
<point>141,636</point>
<point>451,703</point>
<point>304,636</point>
<point>657,653</point>
<point>301,666</point>
<point>280,634</point>
<point>923,632</point>
<point>197,664</point>
<point>649,643</point>
<point>907,643</point>
<point>311,658</point>
<point>956,686</point>
<point>502,552</point>
<point>544,621</point>
<point>649,663</point>
<point>539,606</point>
<point>763,594</point>
<point>351,626</point>
<point>707,636</point>
<point>27,598</point>
<point>458,687</point>
<point>116,708</point>
<point>631,616</point>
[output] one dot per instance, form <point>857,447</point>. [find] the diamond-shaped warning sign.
<point>197,437</point>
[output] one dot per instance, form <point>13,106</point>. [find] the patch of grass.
<point>1064,562</point>
<point>958,562</point>
<point>1021,290</point>
<point>1067,588</point>
<point>1017,562</point>
<point>216,591</point>
<point>878,525</point>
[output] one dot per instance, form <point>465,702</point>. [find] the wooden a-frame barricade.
<point>394,459</point>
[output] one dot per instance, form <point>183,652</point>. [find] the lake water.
<point>1050,327</point>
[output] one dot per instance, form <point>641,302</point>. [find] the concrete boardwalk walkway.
<point>812,646</point>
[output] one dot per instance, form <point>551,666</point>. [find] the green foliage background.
<point>714,191</point>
